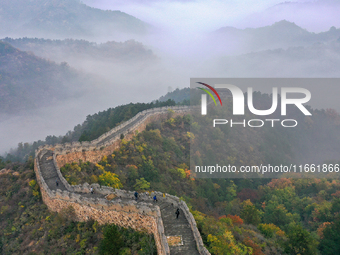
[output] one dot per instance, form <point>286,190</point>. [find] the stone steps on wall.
<point>49,173</point>
<point>172,226</point>
<point>178,227</point>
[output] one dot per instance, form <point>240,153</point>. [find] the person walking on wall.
<point>155,198</point>
<point>136,195</point>
<point>177,213</point>
<point>92,190</point>
<point>56,182</point>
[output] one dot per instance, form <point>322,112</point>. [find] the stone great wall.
<point>156,218</point>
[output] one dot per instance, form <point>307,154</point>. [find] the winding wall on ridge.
<point>156,218</point>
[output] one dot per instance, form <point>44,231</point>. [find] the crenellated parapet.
<point>107,143</point>
<point>125,128</point>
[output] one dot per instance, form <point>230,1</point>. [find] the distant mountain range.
<point>64,19</point>
<point>29,82</point>
<point>282,34</point>
<point>64,50</point>
<point>317,60</point>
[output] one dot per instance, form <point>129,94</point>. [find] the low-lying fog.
<point>185,44</point>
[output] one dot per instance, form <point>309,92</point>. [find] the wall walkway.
<point>156,218</point>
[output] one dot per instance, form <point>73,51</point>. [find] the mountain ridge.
<point>65,18</point>
<point>28,81</point>
<point>62,50</point>
<point>281,34</point>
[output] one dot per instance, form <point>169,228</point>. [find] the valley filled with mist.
<point>86,58</point>
<point>72,70</point>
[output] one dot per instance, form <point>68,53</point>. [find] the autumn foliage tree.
<point>300,241</point>
<point>250,214</point>
<point>110,179</point>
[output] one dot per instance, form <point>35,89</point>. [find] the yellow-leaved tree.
<point>110,179</point>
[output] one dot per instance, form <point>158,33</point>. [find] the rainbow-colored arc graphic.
<point>208,92</point>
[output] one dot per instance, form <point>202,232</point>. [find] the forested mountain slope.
<point>28,82</point>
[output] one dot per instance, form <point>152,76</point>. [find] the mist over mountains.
<point>71,70</point>
<point>29,82</point>
<point>313,15</point>
<point>282,34</point>
<point>111,58</point>
<point>64,19</point>
<point>64,50</point>
<point>317,60</point>
<point>99,59</point>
